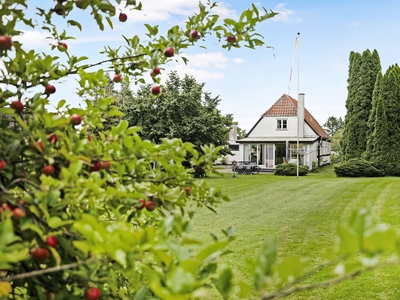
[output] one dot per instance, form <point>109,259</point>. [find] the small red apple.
<point>97,166</point>
<point>51,241</point>
<point>105,165</point>
<point>40,254</point>
<point>194,34</point>
<point>49,89</point>
<point>122,17</point>
<point>17,105</point>
<point>188,191</point>
<point>150,205</point>
<point>155,72</point>
<point>5,42</point>
<point>38,147</point>
<point>143,204</point>
<point>231,39</point>
<point>18,213</point>
<point>117,78</point>
<point>53,138</point>
<point>2,165</point>
<point>156,90</point>
<point>89,137</point>
<point>169,52</point>
<point>48,170</point>
<point>62,47</point>
<point>76,119</point>
<point>93,293</point>
<point>5,207</point>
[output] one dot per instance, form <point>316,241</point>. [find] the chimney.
<point>300,114</point>
<point>233,133</point>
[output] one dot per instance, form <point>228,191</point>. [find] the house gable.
<point>285,107</point>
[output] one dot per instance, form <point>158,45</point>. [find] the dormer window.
<point>281,124</point>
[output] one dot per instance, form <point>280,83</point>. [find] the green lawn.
<point>303,213</point>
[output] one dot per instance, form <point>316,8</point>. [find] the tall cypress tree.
<point>362,80</point>
<point>352,86</point>
<point>372,117</point>
<point>380,139</point>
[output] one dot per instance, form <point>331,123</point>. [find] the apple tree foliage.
<point>86,216</point>
<point>183,110</point>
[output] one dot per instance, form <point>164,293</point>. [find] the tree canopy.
<point>183,110</point>
<point>333,125</point>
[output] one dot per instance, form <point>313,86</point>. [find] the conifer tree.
<point>362,77</point>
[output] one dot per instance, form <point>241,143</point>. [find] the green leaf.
<point>61,103</point>
<point>244,289</point>
<point>179,281</point>
<point>75,23</point>
<point>55,222</point>
<point>224,283</point>
<point>211,250</point>
<point>348,241</point>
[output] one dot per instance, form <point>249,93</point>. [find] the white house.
<point>273,139</point>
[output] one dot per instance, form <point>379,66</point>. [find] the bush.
<point>290,169</point>
<point>357,168</point>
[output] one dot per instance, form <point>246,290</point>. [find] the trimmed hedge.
<point>290,169</point>
<point>357,167</point>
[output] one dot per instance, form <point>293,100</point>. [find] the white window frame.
<point>281,124</point>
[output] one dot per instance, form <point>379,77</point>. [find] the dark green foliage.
<point>333,125</point>
<point>290,169</point>
<point>183,110</point>
<point>363,71</point>
<point>357,167</point>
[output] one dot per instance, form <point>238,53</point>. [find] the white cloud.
<point>162,10</point>
<point>34,38</point>
<point>283,13</point>
<point>216,59</point>
<point>238,60</point>
<point>200,75</point>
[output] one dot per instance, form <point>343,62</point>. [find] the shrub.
<point>290,169</point>
<point>357,168</point>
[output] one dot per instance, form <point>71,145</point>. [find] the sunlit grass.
<point>303,214</point>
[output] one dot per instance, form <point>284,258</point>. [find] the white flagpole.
<point>298,92</point>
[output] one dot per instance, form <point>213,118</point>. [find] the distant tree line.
<point>372,121</point>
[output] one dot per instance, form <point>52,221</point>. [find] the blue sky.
<point>250,81</point>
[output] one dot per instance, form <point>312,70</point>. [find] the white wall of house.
<point>268,127</point>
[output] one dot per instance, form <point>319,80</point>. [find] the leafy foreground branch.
<point>94,212</point>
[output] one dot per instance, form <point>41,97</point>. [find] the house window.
<point>281,124</point>
<point>234,147</point>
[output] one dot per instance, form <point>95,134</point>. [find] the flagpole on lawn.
<point>298,93</point>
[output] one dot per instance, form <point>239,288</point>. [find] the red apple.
<point>17,105</point>
<point>89,137</point>
<point>231,39</point>
<point>2,165</point>
<point>49,89</point>
<point>62,47</point>
<point>18,213</point>
<point>97,166</point>
<point>53,138</point>
<point>122,17</point>
<point>5,42</point>
<point>51,241</point>
<point>169,52</point>
<point>40,254</point>
<point>156,90</point>
<point>105,165</point>
<point>188,191</point>
<point>194,34</point>
<point>76,119</point>
<point>117,78</point>
<point>155,72</point>
<point>93,293</point>
<point>150,205</point>
<point>143,204</point>
<point>38,147</point>
<point>48,170</point>
<point>5,207</point>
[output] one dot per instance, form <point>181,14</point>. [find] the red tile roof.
<point>286,106</point>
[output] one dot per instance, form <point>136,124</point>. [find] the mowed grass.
<point>302,214</point>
